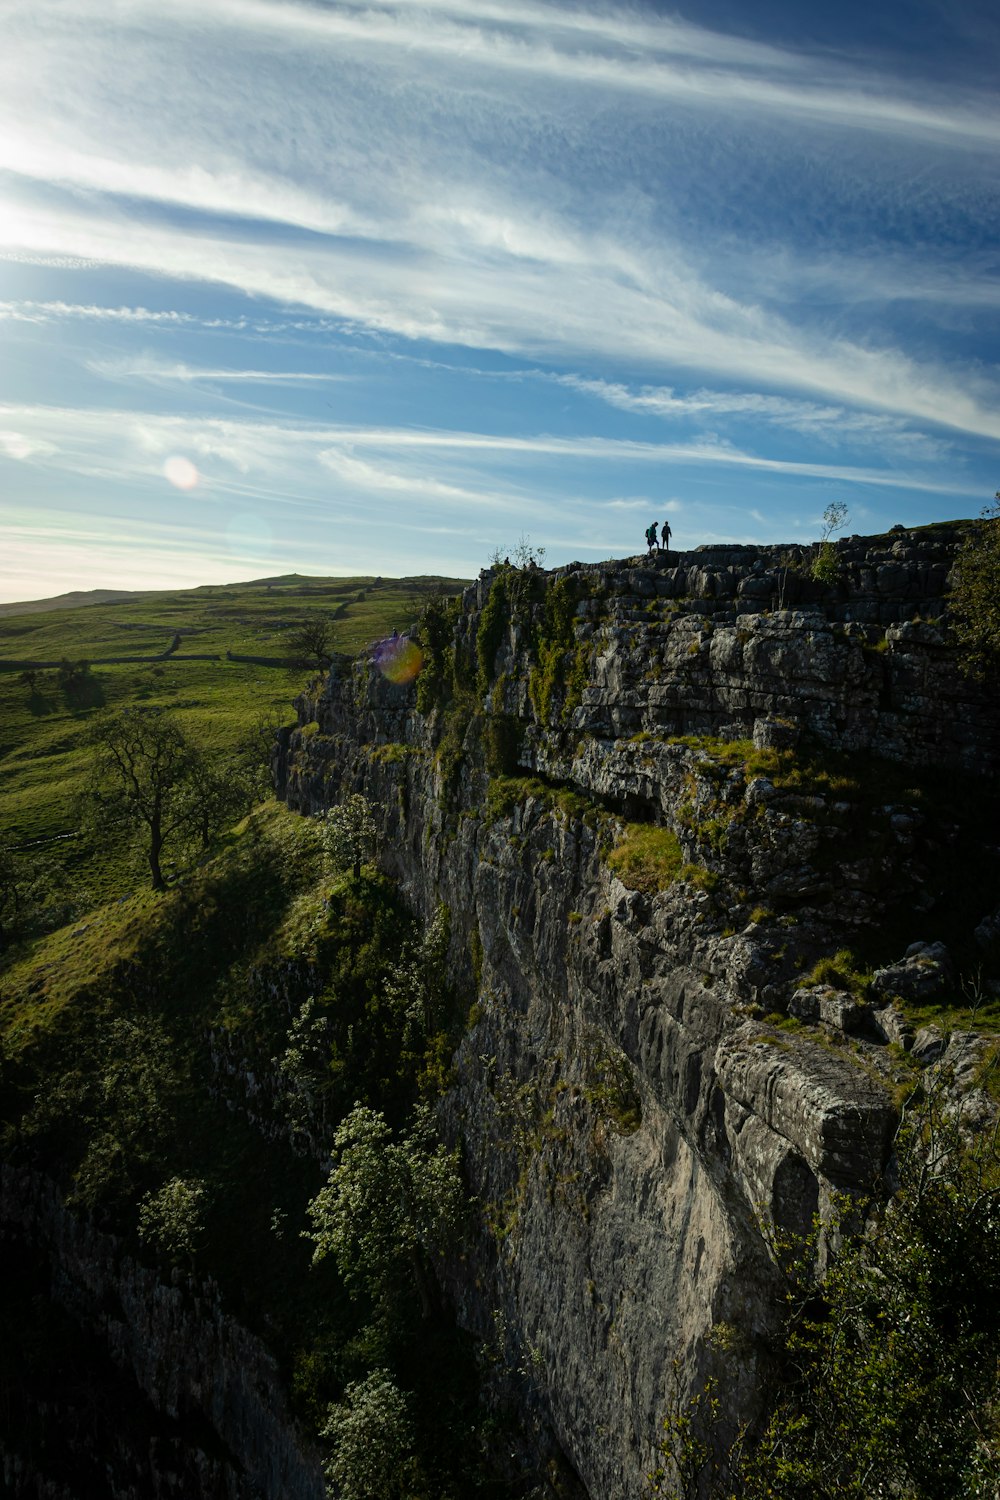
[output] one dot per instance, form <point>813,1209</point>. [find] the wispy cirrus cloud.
<point>679,62</point>
<point>829,424</point>
<point>138,441</point>
<point>610,302</point>
<point>156,371</point>
<point>49,312</point>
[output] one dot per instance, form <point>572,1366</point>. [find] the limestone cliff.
<point>649,1087</point>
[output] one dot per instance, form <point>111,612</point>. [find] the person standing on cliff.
<point>651,537</point>
<point>665,537</point>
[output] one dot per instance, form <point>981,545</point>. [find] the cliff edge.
<point>716,839</point>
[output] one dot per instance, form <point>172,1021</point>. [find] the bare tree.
<point>312,640</point>
<point>143,765</point>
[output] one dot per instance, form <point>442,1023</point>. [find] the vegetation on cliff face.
<point>127,1059</point>
<point>975,598</point>
<point>887,1373</point>
<point>648,858</point>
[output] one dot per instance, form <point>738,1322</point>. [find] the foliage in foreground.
<point>327,992</point>
<point>889,1370</point>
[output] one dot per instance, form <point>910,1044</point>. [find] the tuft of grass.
<point>842,972</point>
<point>395,753</point>
<point>648,858</point>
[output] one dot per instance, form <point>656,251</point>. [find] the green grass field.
<point>44,755</point>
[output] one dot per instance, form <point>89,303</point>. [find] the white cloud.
<point>734,76</point>
<point>120,444</point>
<point>829,424</point>
<point>401,485</point>
<point>508,176</point>
<point>156,371</point>
<point>15,445</point>
<point>47,312</point>
<point>533,308</point>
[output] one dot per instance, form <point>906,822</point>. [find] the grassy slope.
<point>43,755</point>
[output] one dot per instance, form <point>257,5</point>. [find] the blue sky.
<point>383,286</point>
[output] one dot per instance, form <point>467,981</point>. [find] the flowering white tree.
<point>387,1205</point>
<point>373,1436</point>
<point>349,834</point>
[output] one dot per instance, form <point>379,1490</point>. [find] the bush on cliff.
<point>975,595</point>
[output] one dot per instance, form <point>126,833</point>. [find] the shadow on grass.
<point>84,694</point>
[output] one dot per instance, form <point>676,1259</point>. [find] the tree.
<point>34,893</point>
<point>975,594</point>
<point>826,566</point>
<point>13,891</point>
<point>525,555</point>
<point>215,794</point>
<point>256,748</point>
<point>373,1439</point>
<point>349,834</point>
<point>387,1205</point>
<point>117,1104</point>
<point>416,986</point>
<point>312,640</point>
<point>172,1218</point>
<point>143,765</point>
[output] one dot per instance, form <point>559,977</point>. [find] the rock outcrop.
<point>652,1088</point>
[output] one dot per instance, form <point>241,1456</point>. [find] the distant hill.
<point>300,582</point>
<point>78,599</point>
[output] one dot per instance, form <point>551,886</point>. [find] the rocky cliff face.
<point>150,1390</point>
<point>652,1084</point>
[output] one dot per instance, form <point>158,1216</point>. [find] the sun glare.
<point>181,472</point>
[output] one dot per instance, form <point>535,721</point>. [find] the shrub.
<point>373,1439</point>
<point>350,835</point>
<point>171,1218</point>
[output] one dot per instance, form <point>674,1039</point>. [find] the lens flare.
<point>181,472</point>
<point>398,659</point>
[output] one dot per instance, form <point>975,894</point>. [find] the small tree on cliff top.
<point>826,567</point>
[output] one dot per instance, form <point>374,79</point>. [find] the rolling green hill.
<point>44,758</point>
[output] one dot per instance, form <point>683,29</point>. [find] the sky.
<point>388,286</point>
